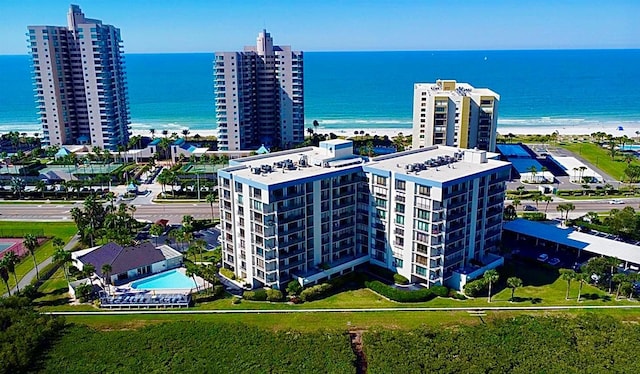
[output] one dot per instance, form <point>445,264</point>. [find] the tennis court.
<point>202,168</point>
<point>12,244</point>
<point>80,169</point>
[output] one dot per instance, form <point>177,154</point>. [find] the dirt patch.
<point>356,345</point>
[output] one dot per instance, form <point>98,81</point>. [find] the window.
<point>380,202</point>
<point>400,220</point>
<point>381,180</point>
<point>421,271</point>
<point>381,214</point>
<point>422,214</point>
<point>423,190</point>
<point>398,262</point>
<point>401,185</point>
<point>423,226</point>
<point>399,208</point>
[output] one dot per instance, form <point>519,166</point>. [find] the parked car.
<point>554,261</point>
<point>543,257</point>
<point>530,208</point>
<point>616,202</point>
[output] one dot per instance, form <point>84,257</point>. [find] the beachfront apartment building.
<point>433,215</point>
<point>455,114</point>
<point>259,96</point>
<point>79,82</point>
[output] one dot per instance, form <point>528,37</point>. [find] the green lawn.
<point>601,158</point>
<point>63,230</point>
<point>54,290</point>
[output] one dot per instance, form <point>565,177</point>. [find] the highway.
<point>152,212</point>
<point>174,211</point>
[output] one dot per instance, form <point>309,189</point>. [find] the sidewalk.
<point>26,280</point>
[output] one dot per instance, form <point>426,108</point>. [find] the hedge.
<point>441,291</point>
<point>227,273</point>
<point>473,288</point>
<point>274,295</point>
<point>394,294</point>
<point>315,292</point>
<point>399,279</point>
<point>255,295</point>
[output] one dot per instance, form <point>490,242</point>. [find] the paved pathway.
<point>26,280</point>
<point>475,310</point>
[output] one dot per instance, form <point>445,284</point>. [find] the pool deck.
<point>127,297</point>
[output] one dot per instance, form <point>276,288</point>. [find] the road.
<point>151,212</point>
<point>174,211</point>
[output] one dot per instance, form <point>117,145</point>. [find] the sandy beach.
<point>627,129</point>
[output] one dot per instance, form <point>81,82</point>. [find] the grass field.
<point>63,230</point>
<point>601,158</point>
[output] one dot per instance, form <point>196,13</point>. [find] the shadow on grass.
<point>53,302</point>
<point>595,296</point>
<point>533,300</point>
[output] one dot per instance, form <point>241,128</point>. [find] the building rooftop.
<point>275,168</point>
<point>438,163</point>
<point>575,239</point>
<point>453,88</point>
<point>121,258</point>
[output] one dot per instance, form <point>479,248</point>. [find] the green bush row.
<point>316,292</point>
<point>255,295</point>
<point>401,296</point>
<point>227,273</point>
<point>399,279</point>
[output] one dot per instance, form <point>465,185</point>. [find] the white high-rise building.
<point>79,81</point>
<point>259,96</point>
<point>454,114</point>
<point>433,214</point>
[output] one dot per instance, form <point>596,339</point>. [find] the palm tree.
<point>513,283</point>
<point>89,270</point>
<point>106,272</point>
<point>64,258</point>
<point>211,198</point>
<point>581,277</point>
<point>11,260</point>
<point>165,133</point>
<point>31,242</point>
<point>547,199</point>
<point>156,230</point>
<point>491,276</point>
<point>619,279</point>
<point>567,275</point>
<point>185,133</point>
<point>4,274</point>
<point>40,186</point>
<point>153,133</point>
<point>191,271</point>
<point>515,203</point>
<point>533,170</point>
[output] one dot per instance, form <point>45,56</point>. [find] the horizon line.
<point>381,51</point>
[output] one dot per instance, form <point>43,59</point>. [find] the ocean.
<point>364,90</point>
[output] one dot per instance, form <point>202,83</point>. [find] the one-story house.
<point>128,263</point>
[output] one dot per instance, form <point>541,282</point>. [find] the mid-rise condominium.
<point>454,114</point>
<point>79,81</point>
<point>433,215</point>
<point>259,96</point>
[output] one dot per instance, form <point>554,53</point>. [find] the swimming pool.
<point>168,280</point>
<point>4,246</point>
<point>630,147</point>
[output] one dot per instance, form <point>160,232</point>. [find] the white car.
<point>543,257</point>
<point>616,202</point>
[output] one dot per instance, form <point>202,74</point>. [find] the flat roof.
<point>573,238</point>
<point>462,89</point>
<point>396,162</point>
<point>282,175</point>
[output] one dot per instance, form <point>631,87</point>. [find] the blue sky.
<point>333,25</point>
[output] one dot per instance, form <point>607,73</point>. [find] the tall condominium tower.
<point>433,215</point>
<point>80,83</point>
<point>454,114</point>
<point>259,96</point>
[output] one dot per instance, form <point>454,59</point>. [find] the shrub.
<point>392,293</point>
<point>274,295</point>
<point>227,273</point>
<point>399,279</point>
<point>534,216</point>
<point>256,295</point>
<point>315,292</point>
<point>473,288</point>
<point>294,288</point>
<point>441,291</point>
<point>218,290</point>
<point>236,300</point>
